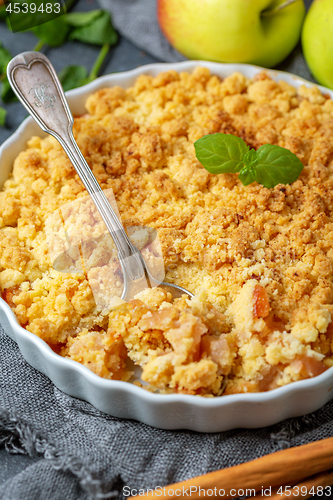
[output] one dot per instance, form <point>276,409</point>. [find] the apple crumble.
<point>259,261</point>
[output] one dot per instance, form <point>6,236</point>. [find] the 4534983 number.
<point>31,8</point>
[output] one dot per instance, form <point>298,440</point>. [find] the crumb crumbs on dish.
<point>260,261</point>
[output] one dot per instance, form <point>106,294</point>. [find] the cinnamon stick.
<point>304,488</point>
<point>282,467</point>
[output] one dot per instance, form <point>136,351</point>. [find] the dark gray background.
<point>123,56</point>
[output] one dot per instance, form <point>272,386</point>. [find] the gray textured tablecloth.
<point>81,453</point>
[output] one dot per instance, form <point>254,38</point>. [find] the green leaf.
<point>221,153</point>
<point>72,77</point>
<point>79,19</point>
<point>3,114</point>
<point>5,57</point>
<point>277,165</point>
<point>53,33</point>
<point>251,158</point>
<point>247,175</point>
<point>98,32</point>
<point>3,13</point>
<point>7,94</point>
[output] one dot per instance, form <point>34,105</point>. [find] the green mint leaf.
<point>79,19</point>
<point>269,166</point>
<point>72,77</point>
<point>247,175</point>
<point>251,158</point>
<point>53,33</point>
<point>7,94</point>
<point>3,13</point>
<point>3,114</point>
<point>221,153</point>
<point>5,57</point>
<point>277,165</point>
<point>99,32</point>
<point>84,81</point>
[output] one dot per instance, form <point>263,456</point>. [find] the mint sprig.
<point>221,153</point>
<point>72,77</point>
<point>269,166</point>
<point>79,19</point>
<point>94,27</point>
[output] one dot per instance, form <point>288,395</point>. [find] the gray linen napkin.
<point>137,21</point>
<point>85,454</point>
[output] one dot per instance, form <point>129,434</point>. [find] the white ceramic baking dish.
<point>125,400</point>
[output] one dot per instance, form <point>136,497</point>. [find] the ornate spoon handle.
<point>36,84</point>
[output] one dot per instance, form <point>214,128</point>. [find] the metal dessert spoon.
<point>37,86</point>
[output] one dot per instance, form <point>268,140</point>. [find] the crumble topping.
<point>260,261</point>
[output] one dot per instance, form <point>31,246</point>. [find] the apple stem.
<point>283,5</point>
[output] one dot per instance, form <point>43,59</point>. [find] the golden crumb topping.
<point>259,260</point>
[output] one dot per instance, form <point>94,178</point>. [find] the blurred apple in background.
<point>317,41</point>
<point>259,32</point>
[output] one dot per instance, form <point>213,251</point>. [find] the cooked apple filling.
<point>259,261</point>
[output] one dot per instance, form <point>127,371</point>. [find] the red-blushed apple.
<point>317,41</point>
<point>261,32</point>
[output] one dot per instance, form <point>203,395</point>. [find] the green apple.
<point>259,32</point>
<point>317,41</point>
